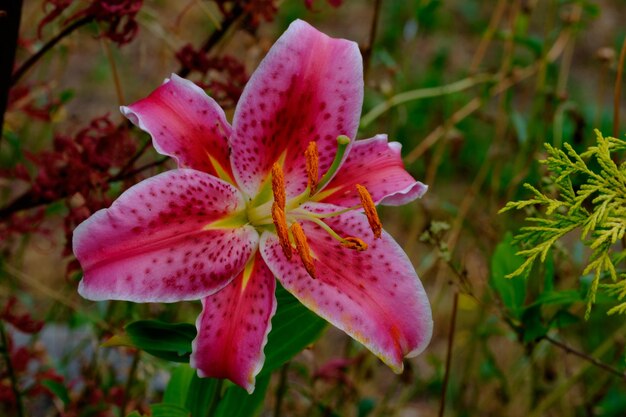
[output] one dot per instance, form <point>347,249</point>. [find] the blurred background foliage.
<point>472,90</point>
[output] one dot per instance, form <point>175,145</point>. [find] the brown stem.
<point>10,17</point>
<point>234,15</point>
<point>7,357</point>
<point>281,389</point>
<point>26,65</point>
<point>367,54</point>
<point>129,382</point>
<point>586,357</point>
<point>446,377</point>
<point>618,89</point>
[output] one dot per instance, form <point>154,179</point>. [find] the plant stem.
<point>423,93</point>
<point>618,89</point>
<point>367,54</point>
<point>590,359</point>
<point>557,392</point>
<point>7,358</point>
<point>446,376</point>
<point>282,389</point>
<point>129,382</point>
<point>10,17</point>
<point>26,65</point>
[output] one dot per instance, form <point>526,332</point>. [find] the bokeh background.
<point>472,90</point>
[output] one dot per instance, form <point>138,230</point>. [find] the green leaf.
<point>366,406</point>
<point>559,297</point>
<point>563,318</point>
<point>294,327</point>
<point>236,402</point>
<point>512,291</point>
<point>201,394</point>
<point>57,389</point>
<point>168,410</point>
<point>532,324</point>
<point>170,341</point>
<point>178,387</point>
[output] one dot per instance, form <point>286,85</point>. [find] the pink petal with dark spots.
<point>153,243</point>
<point>377,165</point>
<point>185,124</point>
<point>233,327</point>
<point>308,88</point>
<point>375,296</point>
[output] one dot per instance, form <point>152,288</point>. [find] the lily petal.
<point>159,241</point>
<point>377,165</point>
<point>185,124</point>
<point>374,296</point>
<point>233,327</point>
<point>308,88</point>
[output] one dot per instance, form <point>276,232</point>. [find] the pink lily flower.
<point>284,192</point>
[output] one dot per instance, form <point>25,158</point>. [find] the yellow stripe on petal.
<point>247,273</point>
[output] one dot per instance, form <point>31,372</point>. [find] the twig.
<point>446,376</point>
<point>11,371</point>
<point>557,392</point>
<point>26,65</point>
<point>235,14</point>
<point>129,382</point>
<point>496,16</point>
<point>10,17</point>
<point>367,54</point>
<point>114,73</point>
<point>618,89</point>
<point>134,172</point>
<point>281,389</point>
<point>583,355</point>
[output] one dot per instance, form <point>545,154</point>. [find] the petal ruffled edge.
<point>377,165</point>
<point>186,124</point>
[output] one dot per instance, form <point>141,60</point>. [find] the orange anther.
<point>354,243</point>
<point>312,166</point>
<point>370,210</point>
<point>303,249</point>
<point>278,186</point>
<point>280,221</point>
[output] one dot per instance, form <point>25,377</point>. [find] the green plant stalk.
<point>423,93</point>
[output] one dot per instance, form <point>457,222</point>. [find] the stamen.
<point>280,221</point>
<point>278,186</point>
<point>370,210</point>
<point>351,242</point>
<point>302,247</point>
<point>312,166</point>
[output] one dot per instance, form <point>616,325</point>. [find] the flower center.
<point>284,216</point>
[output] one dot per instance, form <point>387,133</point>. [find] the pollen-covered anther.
<point>302,246</point>
<point>370,210</point>
<point>355,243</point>
<point>278,185</point>
<point>280,221</point>
<point>312,166</point>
